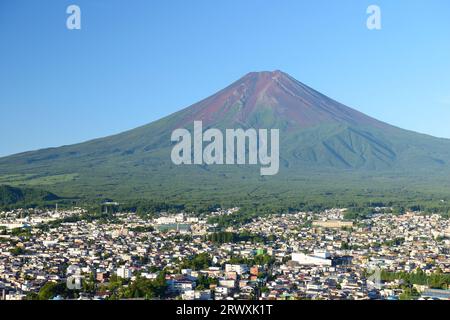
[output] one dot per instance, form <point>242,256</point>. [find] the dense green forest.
<point>360,205</point>
<point>17,197</point>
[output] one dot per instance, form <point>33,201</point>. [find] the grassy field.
<point>33,180</point>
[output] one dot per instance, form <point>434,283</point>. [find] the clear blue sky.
<point>134,62</point>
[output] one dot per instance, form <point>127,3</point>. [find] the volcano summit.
<point>324,145</point>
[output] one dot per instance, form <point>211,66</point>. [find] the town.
<point>301,255</point>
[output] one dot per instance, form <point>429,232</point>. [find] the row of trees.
<point>437,280</point>
<point>260,260</point>
<point>118,288</point>
<point>140,288</point>
<point>231,237</point>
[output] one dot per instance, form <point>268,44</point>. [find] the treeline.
<point>118,288</point>
<point>101,217</point>
<point>437,280</point>
<point>142,229</point>
<point>137,289</point>
<point>13,197</point>
<point>203,261</point>
<point>361,205</point>
<point>358,213</point>
<point>231,237</point>
<point>365,212</point>
<point>237,219</point>
<point>259,260</point>
<point>151,207</point>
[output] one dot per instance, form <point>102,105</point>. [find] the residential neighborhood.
<point>300,255</point>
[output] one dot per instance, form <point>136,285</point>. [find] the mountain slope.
<point>321,142</point>
<point>10,195</point>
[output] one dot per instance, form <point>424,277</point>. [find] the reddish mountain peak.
<point>277,98</point>
<point>264,78</point>
<point>264,74</point>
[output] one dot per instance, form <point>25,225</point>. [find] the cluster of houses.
<point>306,255</point>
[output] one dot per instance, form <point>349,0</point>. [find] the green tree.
<point>51,290</point>
<point>409,294</point>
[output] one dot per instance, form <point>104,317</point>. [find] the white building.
<point>166,220</point>
<point>238,268</point>
<point>124,273</point>
<point>196,295</point>
<point>186,272</point>
<point>181,285</point>
<point>192,220</point>
<point>227,283</point>
<point>319,258</point>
